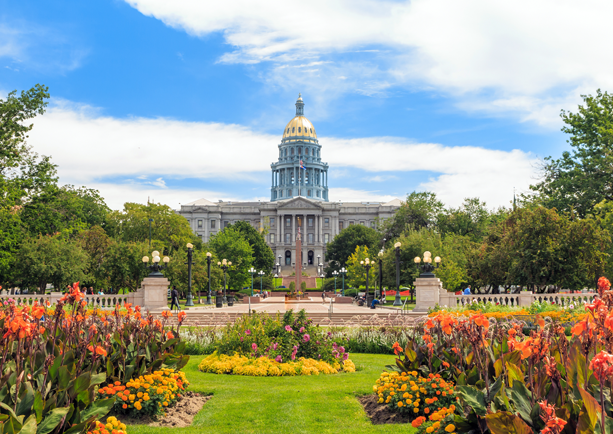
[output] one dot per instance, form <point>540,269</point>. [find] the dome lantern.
<point>299,106</point>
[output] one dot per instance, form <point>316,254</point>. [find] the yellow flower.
<point>429,429</point>
<point>400,404</point>
<point>416,410</point>
<point>450,428</point>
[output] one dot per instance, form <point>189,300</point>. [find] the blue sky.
<point>180,100</point>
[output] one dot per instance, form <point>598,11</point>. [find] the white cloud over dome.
<point>135,158</point>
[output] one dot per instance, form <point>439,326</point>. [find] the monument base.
<point>155,293</point>
<point>427,291</point>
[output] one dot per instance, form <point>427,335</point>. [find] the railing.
<point>99,301</point>
<point>521,299</point>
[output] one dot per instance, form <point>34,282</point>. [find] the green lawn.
<point>278,405</point>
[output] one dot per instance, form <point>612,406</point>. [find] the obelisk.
<point>298,259</point>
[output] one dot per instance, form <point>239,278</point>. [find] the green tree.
<point>344,244</point>
<point>420,210</point>
<point>50,259</point>
<point>471,219</point>
<point>96,244</point>
<point>168,229</point>
<point>582,178</point>
<point>231,245</point>
<point>123,267</point>
<point>263,256</point>
<point>356,272</point>
<point>177,272</point>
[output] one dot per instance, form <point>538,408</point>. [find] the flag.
<point>302,165</point>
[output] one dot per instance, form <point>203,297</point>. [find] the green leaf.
<point>64,377</point>
<point>473,397</point>
<point>98,409</point>
<point>82,382</point>
<point>411,355</point>
<point>30,426</point>
<point>52,420</point>
<point>11,412</point>
<point>98,379</point>
<point>494,389</point>
<point>520,396</point>
<point>503,422</point>
<point>515,373</point>
<point>592,407</point>
<point>25,405</point>
<point>608,425</point>
<point>38,406</point>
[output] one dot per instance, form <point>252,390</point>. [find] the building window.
<point>317,193</point>
<point>372,224</point>
<point>289,193</point>
<point>291,151</point>
<point>213,224</point>
<point>288,222</point>
<point>298,129</point>
<point>309,193</point>
<point>299,151</point>
<point>351,223</point>
<point>340,226</point>
<point>326,238</point>
<point>272,238</point>
<point>288,238</point>
<point>225,223</point>
<point>310,222</point>
<point>362,223</point>
<point>306,151</point>
<point>310,238</point>
<point>293,129</point>
<point>326,222</point>
<point>199,223</point>
<point>286,150</point>
<point>272,222</point>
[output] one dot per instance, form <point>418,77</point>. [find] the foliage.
<point>263,366</point>
<point>263,256</point>
<point>53,359</point>
<point>419,211</point>
<point>148,394</point>
<point>582,178</point>
<point>123,266</point>
<point>112,426</point>
<point>344,244</point>
<point>50,259</point>
<point>470,219</point>
<point>231,245</point>
<point>356,272</point>
<point>177,271</point>
<point>169,230</point>
<point>285,338</point>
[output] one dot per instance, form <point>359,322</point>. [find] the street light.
<point>155,269</point>
<point>190,252</point>
<point>252,271</point>
<point>427,268</point>
<point>380,257</point>
<point>335,274</point>
<point>224,264</point>
<point>208,262</point>
<point>397,301</point>
<point>261,273</point>
<point>367,264</point>
<point>343,272</point>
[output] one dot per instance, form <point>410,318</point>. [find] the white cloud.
<point>526,57</point>
<point>132,159</point>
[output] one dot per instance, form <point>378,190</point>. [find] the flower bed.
<point>250,345</point>
<point>53,361</point>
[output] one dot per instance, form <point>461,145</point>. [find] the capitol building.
<point>298,196</point>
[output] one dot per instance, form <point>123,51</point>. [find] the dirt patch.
<point>380,414</point>
<point>181,415</point>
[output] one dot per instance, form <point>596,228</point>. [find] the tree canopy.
<point>263,256</point>
<point>344,244</point>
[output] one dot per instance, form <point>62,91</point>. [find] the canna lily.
<point>97,350</point>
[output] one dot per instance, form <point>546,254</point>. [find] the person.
<point>384,296</point>
<point>323,296</point>
<point>467,290</point>
<point>100,292</point>
<point>174,296</point>
<point>375,302</point>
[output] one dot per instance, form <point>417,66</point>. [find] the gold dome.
<point>299,127</point>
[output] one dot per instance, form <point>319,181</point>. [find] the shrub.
<point>292,286</point>
<point>112,426</point>
<point>264,366</point>
<point>148,394</point>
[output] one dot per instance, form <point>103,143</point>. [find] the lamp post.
<point>335,274</point>
<point>208,266</point>
<point>367,264</point>
<point>190,252</point>
<point>397,301</point>
<point>225,264</point>
<point>427,268</point>
<point>252,271</point>
<point>343,272</point>
<point>156,268</point>
<point>261,273</point>
<point>380,257</point>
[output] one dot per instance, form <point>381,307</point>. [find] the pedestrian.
<point>467,290</point>
<point>174,295</point>
<point>384,299</point>
<point>323,297</point>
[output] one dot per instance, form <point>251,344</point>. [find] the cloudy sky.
<point>180,100</point>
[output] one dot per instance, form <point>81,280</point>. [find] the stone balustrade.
<point>451,300</point>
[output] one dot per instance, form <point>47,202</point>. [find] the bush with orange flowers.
<point>410,393</point>
<point>508,381</point>
<point>112,426</point>
<point>52,360</point>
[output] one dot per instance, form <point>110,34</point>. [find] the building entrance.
<point>288,257</point>
<point>310,255</point>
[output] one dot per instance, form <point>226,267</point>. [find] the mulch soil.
<point>181,415</point>
<point>380,414</point>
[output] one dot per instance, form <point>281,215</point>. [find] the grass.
<point>261,405</point>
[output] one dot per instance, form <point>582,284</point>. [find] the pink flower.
<point>302,329</point>
<point>247,332</point>
<point>288,328</point>
<point>254,346</point>
<point>279,359</point>
<point>341,349</point>
<point>306,338</point>
<point>274,346</point>
<point>345,356</point>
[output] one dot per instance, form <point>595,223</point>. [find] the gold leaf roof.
<point>300,127</point>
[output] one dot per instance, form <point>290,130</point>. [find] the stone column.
<point>279,228</point>
<point>427,290</point>
<point>293,230</point>
<point>316,229</point>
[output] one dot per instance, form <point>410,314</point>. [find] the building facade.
<point>299,199</point>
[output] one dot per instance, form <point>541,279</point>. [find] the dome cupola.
<point>299,128</point>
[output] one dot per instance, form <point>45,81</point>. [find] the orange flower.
<point>167,314</point>
<point>579,328</point>
<point>98,350</point>
<point>169,335</point>
<point>181,316</point>
<point>525,348</point>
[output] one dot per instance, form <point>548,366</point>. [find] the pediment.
<point>300,203</point>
